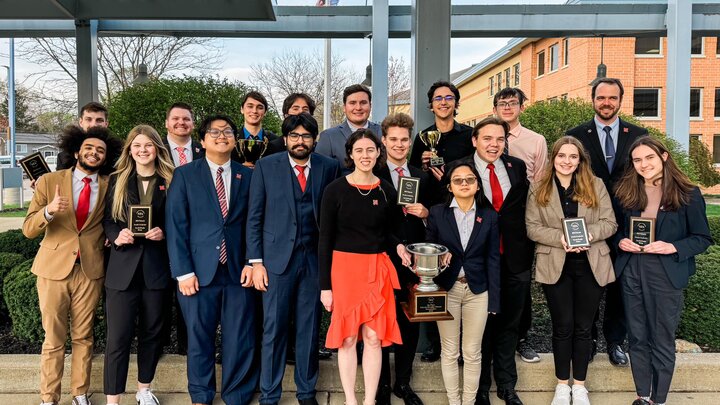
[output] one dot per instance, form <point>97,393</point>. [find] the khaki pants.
<point>470,310</point>
<point>75,297</point>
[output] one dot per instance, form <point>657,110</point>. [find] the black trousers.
<point>137,307</point>
<point>501,332</point>
<point>404,353</point>
<point>653,306</point>
<point>573,302</point>
<point>526,320</point>
<point>171,310</point>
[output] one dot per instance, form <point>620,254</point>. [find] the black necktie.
<point>609,148</point>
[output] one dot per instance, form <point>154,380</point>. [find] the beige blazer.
<point>58,249</point>
<point>544,226</point>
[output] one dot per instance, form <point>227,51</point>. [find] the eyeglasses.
<point>294,136</point>
<point>511,104</point>
<point>215,133</point>
<point>458,181</point>
<point>438,99</point>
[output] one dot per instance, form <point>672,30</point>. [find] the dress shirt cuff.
<point>252,261</point>
<point>48,217</point>
<point>185,276</point>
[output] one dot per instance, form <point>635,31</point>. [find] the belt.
<point>462,280</point>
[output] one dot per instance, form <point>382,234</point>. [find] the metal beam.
<point>87,72</point>
<point>380,59</point>
<point>64,8</point>
<point>677,93</point>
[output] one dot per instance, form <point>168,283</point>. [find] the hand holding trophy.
<point>251,149</point>
<point>431,140</point>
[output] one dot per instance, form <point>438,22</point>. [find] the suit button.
<point>292,239</point>
<point>294,223</point>
<point>217,247</point>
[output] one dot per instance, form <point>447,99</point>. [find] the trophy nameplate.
<point>140,221</point>
<point>575,231</point>
<point>408,188</point>
<point>642,230</point>
<point>34,166</point>
<point>427,306</point>
<point>427,301</point>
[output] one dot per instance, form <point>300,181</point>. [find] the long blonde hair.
<point>125,167</point>
<point>584,191</point>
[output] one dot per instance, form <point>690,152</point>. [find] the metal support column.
<point>87,70</point>
<point>11,103</point>
<point>677,95</point>
<point>430,59</point>
<point>381,25</point>
<point>327,94</point>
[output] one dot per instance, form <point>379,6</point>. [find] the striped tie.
<point>220,188</point>
<point>181,155</point>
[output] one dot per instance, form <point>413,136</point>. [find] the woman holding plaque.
<point>138,274</point>
<point>472,278</point>
<point>357,277</point>
<point>654,266</point>
<point>572,261</point>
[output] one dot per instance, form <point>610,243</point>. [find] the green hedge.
<point>7,262</point>
<point>715,228</point>
<point>20,294</point>
<point>15,242</point>
<point>700,321</point>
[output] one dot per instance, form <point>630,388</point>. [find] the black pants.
<point>404,353</point>
<point>123,310</point>
<point>171,310</point>
<point>501,332</point>
<point>653,306</point>
<point>526,320</point>
<point>573,302</point>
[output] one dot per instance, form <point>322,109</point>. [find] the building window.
<point>566,51</point>
<point>648,46</point>
<point>717,47</point>
<point>695,103</point>
<point>697,137</point>
<point>20,148</point>
<point>498,80</point>
<point>507,77</point>
<point>49,153</point>
<point>554,57</point>
<point>716,149</point>
<point>541,63</point>
<point>491,85</point>
<point>516,69</point>
<point>717,103</point>
<point>647,103</point>
<point>696,46</point>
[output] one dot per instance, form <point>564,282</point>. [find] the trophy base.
<point>437,161</point>
<point>427,306</point>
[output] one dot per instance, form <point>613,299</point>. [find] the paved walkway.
<point>7,224</point>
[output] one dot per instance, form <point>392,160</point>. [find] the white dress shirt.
<point>465,222</point>
<point>500,172</point>
<point>176,155</point>
<point>395,175</point>
<point>614,131</point>
<point>77,185</point>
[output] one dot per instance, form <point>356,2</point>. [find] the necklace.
<point>358,188</point>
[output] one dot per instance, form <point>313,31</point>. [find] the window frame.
<point>659,104</point>
<point>650,55</point>
<point>507,77</point>
<point>566,51</point>
<point>554,50</point>
<point>540,56</point>
<point>716,139</point>
<point>700,104</point>
<point>716,108</point>
<point>21,148</point>
<point>516,70</point>
<point>491,85</point>
<point>702,47</point>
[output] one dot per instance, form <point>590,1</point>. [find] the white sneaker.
<point>580,395</point>
<point>81,400</point>
<point>562,395</point>
<point>146,397</point>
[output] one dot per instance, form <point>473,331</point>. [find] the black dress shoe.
<point>617,356</point>
<point>382,397</point>
<point>641,401</point>
<point>407,394</point>
<point>324,353</point>
<point>482,398</point>
<point>509,396</point>
<point>310,401</point>
<point>593,350</point>
<point>430,355</point>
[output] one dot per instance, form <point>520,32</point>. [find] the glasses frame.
<point>458,181</point>
<point>294,136</point>
<point>438,99</point>
<point>224,132</point>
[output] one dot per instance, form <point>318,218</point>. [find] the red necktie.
<point>401,173</point>
<point>222,199</point>
<point>497,194</point>
<point>83,205</point>
<point>301,177</point>
<point>181,155</point>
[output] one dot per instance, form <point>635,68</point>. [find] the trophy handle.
<point>442,268</point>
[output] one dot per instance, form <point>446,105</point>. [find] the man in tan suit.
<point>68,206</point>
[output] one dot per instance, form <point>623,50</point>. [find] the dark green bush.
<point>715,228</point>
<point>20,293</point>
<point>7,262</point>
<point>700,322</point>
<point>14,241</point>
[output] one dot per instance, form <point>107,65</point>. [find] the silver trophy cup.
<point>427,264</point>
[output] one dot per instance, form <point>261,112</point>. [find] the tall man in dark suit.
<point>253,108</point>
<point>282,244</point>
<point>357,102</point>
<point>396,133</point>
<point>607,139</point>
<point>505,187</point>
<point>206,211</point>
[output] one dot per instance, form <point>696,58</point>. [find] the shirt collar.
<point>174,146</point>
<point>454,204</point>
<point>483,164</point>
<point>214,166</point>
<point>614,126</point>
<point>515,132</point>
<point>392,166</point>
<point>247,134</point>
<point>294,163</point>
<point>353,128</point>
<point>79,175</point>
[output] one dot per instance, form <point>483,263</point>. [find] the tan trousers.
<point>470,310</point>
<point>75,297</point>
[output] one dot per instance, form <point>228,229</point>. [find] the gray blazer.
<point>331,142</point>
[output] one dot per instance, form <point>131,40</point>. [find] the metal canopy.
<point>137,9</point>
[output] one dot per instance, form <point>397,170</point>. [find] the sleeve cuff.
<point>185,276</point>
<point>252,261</point>
<point>48,217</point>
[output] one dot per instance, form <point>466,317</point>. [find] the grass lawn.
<point>14,211</point>
<point>712,210</point>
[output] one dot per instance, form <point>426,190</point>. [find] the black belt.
<point>462,280</point>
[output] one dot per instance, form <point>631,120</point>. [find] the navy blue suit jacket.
<point>480,259</point>
<point>687,229</point>
<point>272,220</point>
<point>331,142</point>
<point>195,226</point>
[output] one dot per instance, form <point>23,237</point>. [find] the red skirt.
<point>362,287</point>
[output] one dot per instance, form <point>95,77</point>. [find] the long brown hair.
<point>676,186</point>
<point>125,168</point>
<point>584,190</point>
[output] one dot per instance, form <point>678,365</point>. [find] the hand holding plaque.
<point>34,166</point>
<point>575,232</point>
<point>140,221</point>
<point>642,230</point>
<point>431,140</point>
<point>408,188</point>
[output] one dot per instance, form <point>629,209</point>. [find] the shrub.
<point>700,321</point>
<point>21,297</point>
<point>7,262</point>
<point>14,241</point>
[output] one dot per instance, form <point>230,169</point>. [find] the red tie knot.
<point>299,168</point>
<point>87,180</point>
<point>491,166</point>
<point>400,171</point>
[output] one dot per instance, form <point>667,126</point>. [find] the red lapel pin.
<point>479,220</point>
<point>375,202</point>
<point>162,188</point>
<point>626,130</point>
<point>238,176</point>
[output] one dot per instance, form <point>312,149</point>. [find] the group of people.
<point>259,248</point>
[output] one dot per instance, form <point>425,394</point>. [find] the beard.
<point>89,167</point>
<point>300,152</point>
<point>605,114</point>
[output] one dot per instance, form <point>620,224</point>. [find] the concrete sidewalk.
<point>9,223</point>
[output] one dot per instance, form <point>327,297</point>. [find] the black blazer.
<point>480,259</point>
<point>411,229</point>
<point>124,260</point>
<point>198,152</point>
<point>518,249</point>
<point>687,229</point>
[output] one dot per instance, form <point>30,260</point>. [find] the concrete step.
<point>693,373</point>
<point>429,398</point>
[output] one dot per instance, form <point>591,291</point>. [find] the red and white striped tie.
<point>220,188</point>
<point>181,155</point>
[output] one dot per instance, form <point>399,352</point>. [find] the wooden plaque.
<point>575,231</point>
<point>140,219</point>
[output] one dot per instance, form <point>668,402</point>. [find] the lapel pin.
<point>509,164</point>
<point>162,187</point>
<point>589,131</point>
<point>197,150</point>
<point>626,130</point>
<point>375,202</point>
<point>478,220</point>
<point>238,176</point>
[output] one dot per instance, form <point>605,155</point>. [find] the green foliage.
<point>715,228</point>
<point>21,298</point>
<point>14,241</point>
<point>7,262</point>
<point>700,321</point>
<point>147,103</point>
<point>702,160</point>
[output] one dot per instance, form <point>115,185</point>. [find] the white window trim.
<point>659,116</point>
<point>651,56</point>
<point>566,52</point>
<point>516,81</point>
<point>702,49</point>
<point>558,57</point>
<point>545,71</point>
<point>699,117</point>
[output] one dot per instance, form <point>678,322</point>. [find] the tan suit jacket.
<point>544,226</point>
<point>59,247</point>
